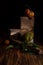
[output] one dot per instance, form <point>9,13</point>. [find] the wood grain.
<point>16,57</point>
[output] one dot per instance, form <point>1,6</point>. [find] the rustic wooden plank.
<point>35,60</point>
<point>32,62</point>
<point>16,57</point>
<point>40,59</point>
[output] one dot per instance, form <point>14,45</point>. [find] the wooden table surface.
<point>15,57</point>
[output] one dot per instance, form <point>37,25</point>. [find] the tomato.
<point>31,14</point>
<point>7,42</point>
<point>27,11</point>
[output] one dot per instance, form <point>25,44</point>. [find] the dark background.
<point>10,12</point>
